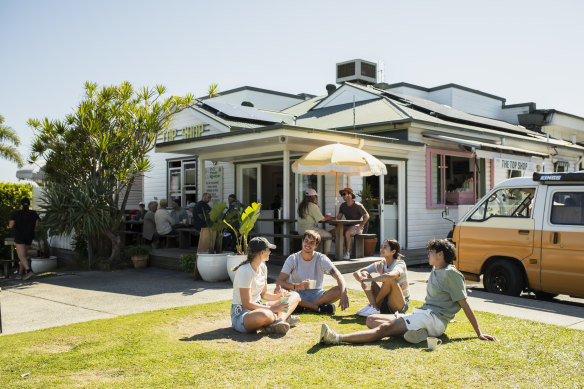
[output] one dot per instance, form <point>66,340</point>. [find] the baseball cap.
<point>258,244</point>
<point>191,205</point>
<point>25,201</point>
<point>141,203</point>
<point>310,192</point>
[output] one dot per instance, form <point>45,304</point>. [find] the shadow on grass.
<point>228,333</point>
<point>392,343</point>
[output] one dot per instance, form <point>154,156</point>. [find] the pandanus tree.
<point>100,149</point>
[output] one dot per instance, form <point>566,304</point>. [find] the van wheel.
<point>541,295</point>
<point>503,277</point>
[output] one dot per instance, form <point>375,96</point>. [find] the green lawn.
<point>196,347</point>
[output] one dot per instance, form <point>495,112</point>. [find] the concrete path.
<point>80,296</point>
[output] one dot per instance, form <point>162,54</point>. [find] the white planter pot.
<point>43,265</point>
<point>212,267</point>
<point>232,261</point>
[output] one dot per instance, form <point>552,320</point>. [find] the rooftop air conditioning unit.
<point>357,70</point>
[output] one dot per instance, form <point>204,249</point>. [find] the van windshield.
<point>506,202</point>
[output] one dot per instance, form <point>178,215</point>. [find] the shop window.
<point>561,166</point>
<point>453,178</point>
<point>182,181</point>
<point>568,208</point>
<point>514,173</point>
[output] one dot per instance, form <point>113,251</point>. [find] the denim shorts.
<point>384,308</point>
<point>237,314</point>
<point>310,295</point>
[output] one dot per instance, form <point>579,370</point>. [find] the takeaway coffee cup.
<point>284,300</point>
<point>367,283</point>
<point>311,284</point>
<point>433,342</point>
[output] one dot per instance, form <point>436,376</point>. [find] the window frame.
<point>430,153</point>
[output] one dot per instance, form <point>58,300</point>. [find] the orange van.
<point>526,234</point>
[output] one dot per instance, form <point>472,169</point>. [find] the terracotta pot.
<point>140,261</point>
<point>369,247</point>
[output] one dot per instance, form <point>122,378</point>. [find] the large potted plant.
<point>212,264</point>
<point>43,262</point>
<point>246,223</point>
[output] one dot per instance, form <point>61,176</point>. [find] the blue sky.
<point>524,51</point>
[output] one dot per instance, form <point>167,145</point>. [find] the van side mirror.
<point>445,213</point>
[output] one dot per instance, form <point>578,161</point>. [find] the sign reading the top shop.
<point>182,133</point>
<point>511,164</point>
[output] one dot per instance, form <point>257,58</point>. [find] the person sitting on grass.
<point>393,295</point>
<point>445,295</point>
<point>306,265</point>
<point>248,313</point>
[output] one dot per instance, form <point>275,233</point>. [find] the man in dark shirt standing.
<point>352,210</point>
<point>201,207</point>
<point>24,223</point>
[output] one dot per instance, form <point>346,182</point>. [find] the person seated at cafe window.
<point>163,220</point>
<point>149,227</point>
<point>178,215</point>
<point>142,211</point>
<point>201,207</point>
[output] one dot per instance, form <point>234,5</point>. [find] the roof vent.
<point>330,88</point>
<point>247,104</point>
<point>357,70</point>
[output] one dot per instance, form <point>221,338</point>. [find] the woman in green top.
<point>309,216</point>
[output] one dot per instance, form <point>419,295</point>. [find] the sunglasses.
<point>345,193</point>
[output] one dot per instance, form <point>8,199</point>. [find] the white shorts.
<point>424,318</point>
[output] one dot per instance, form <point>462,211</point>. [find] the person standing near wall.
<point>24,222</point>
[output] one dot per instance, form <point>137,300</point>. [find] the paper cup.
<point>367,284</point>
<point>311,284</point>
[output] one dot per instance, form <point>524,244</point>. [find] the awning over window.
<point>485,146</point>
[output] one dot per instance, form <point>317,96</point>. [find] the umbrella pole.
<point>336,193</point>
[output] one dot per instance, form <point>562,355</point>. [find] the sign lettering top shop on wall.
<point>182,133</point>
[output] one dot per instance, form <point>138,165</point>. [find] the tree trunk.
<point>89,252</point>
<point>116,246</point>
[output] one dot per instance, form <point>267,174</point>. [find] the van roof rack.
<point>551,178</point>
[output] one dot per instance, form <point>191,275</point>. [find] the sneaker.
<point>329,336</point>
<point>347,256</point>
<point>372,311</point>
<point>293,320</point>
<point>27,275</point>
<point>278,327</point>
<point>416,336</point>
<point>327,308</point>
<point>299,309</point>
<point>17,276</point>
<point>362,312</point>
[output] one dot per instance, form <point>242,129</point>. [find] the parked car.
<point>526,234</point>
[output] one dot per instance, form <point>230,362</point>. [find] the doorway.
<point>385,202</point>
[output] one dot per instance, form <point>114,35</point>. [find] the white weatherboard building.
<point>443,147</point>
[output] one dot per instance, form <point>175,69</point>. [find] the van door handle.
<point>523,232</point>
<point>555,238</point>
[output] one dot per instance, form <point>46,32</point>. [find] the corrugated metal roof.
<point>303,107</point>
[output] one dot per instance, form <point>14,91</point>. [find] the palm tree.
<point>7,151</point>
<point>213,90</point>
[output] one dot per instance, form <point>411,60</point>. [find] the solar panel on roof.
<point>241,112</point>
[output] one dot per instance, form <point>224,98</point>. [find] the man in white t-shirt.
<point>308,265</point>
<point>163,220</point>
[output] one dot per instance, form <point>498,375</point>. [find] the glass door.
<point>249,183</point>
<point>392,205</point>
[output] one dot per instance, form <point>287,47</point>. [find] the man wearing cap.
<point>309,216</point>
<point>303,272</point>
<point>352,210</point>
